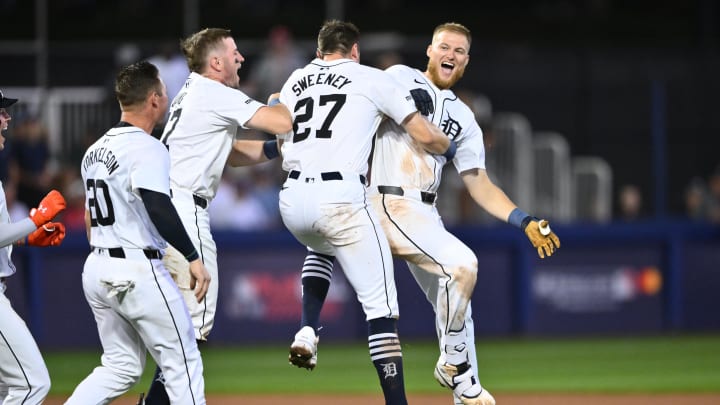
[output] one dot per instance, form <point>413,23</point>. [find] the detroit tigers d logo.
<point>451,127</point>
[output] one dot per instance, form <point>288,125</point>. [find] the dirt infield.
<point>502,399</point>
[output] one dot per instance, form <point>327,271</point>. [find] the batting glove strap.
<point>270,149</point>
<point>450,152</point>
<point>520,218</point>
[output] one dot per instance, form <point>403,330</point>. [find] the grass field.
<point>667,364</point>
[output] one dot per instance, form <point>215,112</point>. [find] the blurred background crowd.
<point>631,84</point>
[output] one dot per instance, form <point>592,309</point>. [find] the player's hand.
<point>542,237</point>
<point>423,101</point>
<point>49,207</point>
<point>50,234</point>
<point>200,280</point>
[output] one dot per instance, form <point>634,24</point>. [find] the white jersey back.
<point>336,108</point>
<point>122,161</point>
<point>397,160</point>
<point>204,118</point>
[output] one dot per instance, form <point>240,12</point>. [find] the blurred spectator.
<point>16,209</point>
<point>30,156</point>
<point>74,191</point>
<point>697,200</point>
<point>386,59</point>
<point>630,203</point>
<point>280,58</point>
<point>235,207</point>
<point>714,195</point>
<point>172,66</point>
<point>266,188</point>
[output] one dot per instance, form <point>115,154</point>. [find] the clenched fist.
<point>49,207</point>
<point>542,237</point>
<point>50,234</point>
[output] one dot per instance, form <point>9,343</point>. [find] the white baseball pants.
<point>137,306</point>
<point>24,378</point>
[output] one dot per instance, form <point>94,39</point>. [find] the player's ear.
<point>355,52</point>
<point>427,52</point>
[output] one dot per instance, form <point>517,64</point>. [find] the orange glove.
<point>49,207</point>
<point>50,234</point>
<point>542,238</point>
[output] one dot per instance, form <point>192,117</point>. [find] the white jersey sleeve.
<point>399,162</point>
<point>203,121</point>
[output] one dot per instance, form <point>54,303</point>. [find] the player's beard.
<point>433,71</point>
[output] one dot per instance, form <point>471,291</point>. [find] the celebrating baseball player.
<point>337,106</point>
<point>204,119</point>
<point>129,217</point>
<point>24,378</point>
<point>404,183</point>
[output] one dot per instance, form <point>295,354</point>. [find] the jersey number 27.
<point>337,100</point>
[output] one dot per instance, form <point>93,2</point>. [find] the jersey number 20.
<point>97,217</point>
<point>324,131</point>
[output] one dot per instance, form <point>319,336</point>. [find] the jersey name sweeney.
<point>330,79</point>
<point>104,156</point>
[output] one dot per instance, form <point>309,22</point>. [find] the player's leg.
<point>167,332</point>
<point>123,358</point>
<point>364,254</point>
<point>446,270</point>
<point>315,278</point>
<point>23,373</point>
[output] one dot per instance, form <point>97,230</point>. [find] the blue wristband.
<point>450,152</point>
<point>270,149</point>
<point>274,101</point>
<point>519,218</point>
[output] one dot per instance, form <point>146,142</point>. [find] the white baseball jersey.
<point>400,165</point>
<point>325,98</point>
<point>204,118</point>
<point>337,107</point>
<point>122,161</point>
<point>135,302</point>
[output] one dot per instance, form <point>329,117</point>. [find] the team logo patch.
<point>389,369</point>
<point>451,127</point>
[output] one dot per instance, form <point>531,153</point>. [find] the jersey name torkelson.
<point>330,79</point>
<point>104,156</point>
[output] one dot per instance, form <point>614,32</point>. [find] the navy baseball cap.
<point>6,102</point>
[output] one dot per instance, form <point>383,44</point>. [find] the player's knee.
<point>465,274</point>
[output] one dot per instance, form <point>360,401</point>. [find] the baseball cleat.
<point>464,385</point>
<point>303,351</point>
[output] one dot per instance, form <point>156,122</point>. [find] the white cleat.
<point>464,385</point>
<point>303,351</point>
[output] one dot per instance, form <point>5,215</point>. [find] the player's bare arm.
<point>247,152</point>
<point>430,137</point>
<point>491,198</point>
<point>275,119</point>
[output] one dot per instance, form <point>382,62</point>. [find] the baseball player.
<point>404,183</point>
<point>129,217</point>
<point>200,134</point>
<point>24,378</point>
<point>337,106</point>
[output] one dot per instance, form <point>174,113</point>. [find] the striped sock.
<point>316,277</point>
<point>386,355</point>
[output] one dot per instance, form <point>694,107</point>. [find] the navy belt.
<point>326,176</point>
<point>199,201</point>
<point>119,253</point>
<point>425,196</point>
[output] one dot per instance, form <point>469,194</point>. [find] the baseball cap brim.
<point>7,102</point>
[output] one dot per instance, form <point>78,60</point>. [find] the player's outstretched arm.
<point>430,137</point>
<point>493,200</point>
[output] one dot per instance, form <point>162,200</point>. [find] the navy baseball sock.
<point>316,276</point>
<point>386,355</point>
<point>156,394</point>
